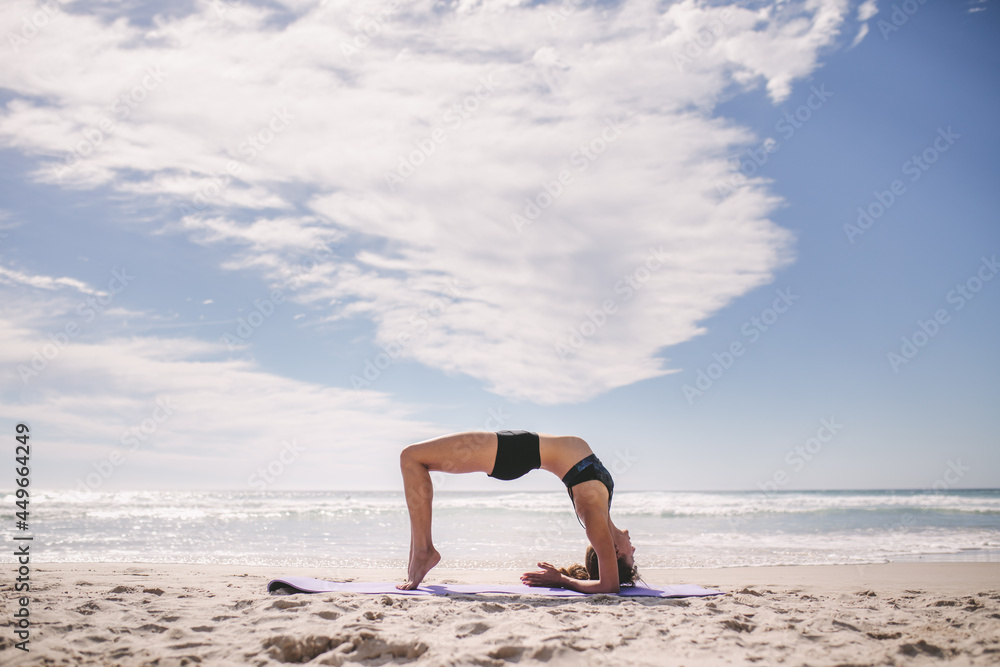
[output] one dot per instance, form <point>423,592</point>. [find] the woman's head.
<point>627,571</point>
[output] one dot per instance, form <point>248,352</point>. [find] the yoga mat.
<point>310,585</point>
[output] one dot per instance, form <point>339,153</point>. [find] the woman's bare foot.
<point>420,564</point>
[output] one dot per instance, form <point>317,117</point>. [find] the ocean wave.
<point>663,504</point>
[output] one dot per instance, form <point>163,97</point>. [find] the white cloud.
<point>867,10</point>
<point>11,276</point>
<point>209,420</point>
<point>862,33</point>
<point>506,98</point>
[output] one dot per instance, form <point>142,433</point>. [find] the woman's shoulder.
<point>591,496</point>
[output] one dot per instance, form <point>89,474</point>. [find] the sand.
<point>143,614</point>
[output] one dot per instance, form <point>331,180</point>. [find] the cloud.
<point>115,411</point>
<point>862,33</point>
<point>978,6</point>
<point>866,10</point>
<point>487,184</point>
<point>11,276</point>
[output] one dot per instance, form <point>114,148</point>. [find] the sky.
<point>266,245</point>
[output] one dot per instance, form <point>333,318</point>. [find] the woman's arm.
<point>553,578</point>
<point>591,586</point>
<point>599,534</point>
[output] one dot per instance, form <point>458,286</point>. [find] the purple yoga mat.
<point>310,585</point>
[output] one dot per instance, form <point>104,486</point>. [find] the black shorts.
<point>517,454</point>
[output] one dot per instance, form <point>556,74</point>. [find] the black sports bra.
<point>588,468</point>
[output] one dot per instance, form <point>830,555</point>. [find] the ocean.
<point>486,530</point>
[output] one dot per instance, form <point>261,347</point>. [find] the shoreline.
<point>174,614</point>
<point>985,556</point>
<point>844,574</point>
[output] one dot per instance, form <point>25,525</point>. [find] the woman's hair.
<point>627,574</point>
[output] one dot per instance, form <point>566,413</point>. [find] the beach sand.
<point>144,614</point>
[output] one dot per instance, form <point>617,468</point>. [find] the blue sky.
<point>249,236</point>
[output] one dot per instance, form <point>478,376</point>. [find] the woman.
<point>509,455</point>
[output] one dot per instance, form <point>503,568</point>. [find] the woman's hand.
<point>548,576</point>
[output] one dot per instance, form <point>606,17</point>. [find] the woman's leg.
<point>471,451</point>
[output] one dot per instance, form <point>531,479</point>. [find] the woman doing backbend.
<point>508,455</point>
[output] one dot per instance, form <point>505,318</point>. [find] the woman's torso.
<point>559,453</point>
